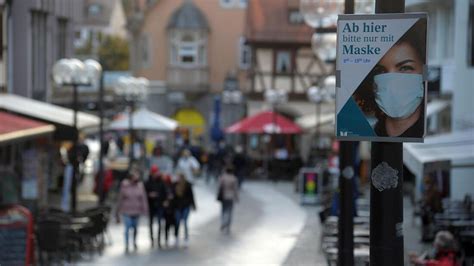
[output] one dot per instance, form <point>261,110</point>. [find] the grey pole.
<point>346,165</point>
<point>101,141</point>
<point>74,151</point>
<point>386,206</point>
<point>132,136</point>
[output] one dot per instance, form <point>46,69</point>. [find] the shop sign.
<point>16,235</point>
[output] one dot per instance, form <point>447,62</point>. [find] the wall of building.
<point>226,27</point>
<point>118,21</point>
<point>463,96</point>
<point>20,35</point>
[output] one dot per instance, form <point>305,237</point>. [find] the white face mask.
<point>398,94</point>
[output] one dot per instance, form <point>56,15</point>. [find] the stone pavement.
<point>270,228</point>
<point>267,230</point>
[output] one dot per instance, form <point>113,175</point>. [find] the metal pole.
<point>386,206</point>
<point>318,122</point>
<point>74,151</point>
<point>101,141</point>
<point>132,137</point>
<point>345,221</point>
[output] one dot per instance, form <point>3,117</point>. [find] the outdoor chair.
<point>52,242</point>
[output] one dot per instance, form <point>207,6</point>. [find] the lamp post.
<point>318,96</point>
<point>232,96</point>
<point>322,15</point>
<point>74,73</point>
<point>274,97</point>
<point>132,90</point>
<point>314,96</point>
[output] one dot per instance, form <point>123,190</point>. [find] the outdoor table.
<point>357,220</point>
<point>452,216</point>
<point>467,234</point>
<point>463,223</point>
<point>362,232</point>
<point>362,240</point>
<point>72,228</point>
<point>80,220</point>
<point>359,253</point>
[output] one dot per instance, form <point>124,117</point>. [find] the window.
<point>38,55</point>
<point>62,36</point>
<point>245,54</point>
<point>145,57</point>
<point>94,10</point>
<point>295,17</point>
<point>187,54</point>
<point>188,49</point>
<point>283,62</point>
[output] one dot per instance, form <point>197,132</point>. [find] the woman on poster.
<point>394,91</point>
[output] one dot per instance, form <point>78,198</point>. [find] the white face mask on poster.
<point>398,94</point>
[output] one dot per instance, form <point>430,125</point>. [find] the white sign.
<point>380,88</point>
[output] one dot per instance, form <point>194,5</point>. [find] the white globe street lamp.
<point>274,97</point>
<point>321,13</point>
<point>132,90</point>
<point>73,72</point>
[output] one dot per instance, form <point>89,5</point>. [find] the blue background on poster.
<point>351,119</point>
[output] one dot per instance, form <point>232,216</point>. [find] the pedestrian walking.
<point>228,193</point>
<point>169,209</point>
<point>132,202</point>
<point>188,165</point>
<point>162,160</point>
<point>240,163</point>
<point>156,194</point>
<point>183,201</point>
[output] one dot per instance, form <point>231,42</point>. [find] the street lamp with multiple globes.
<point>132,90</point>
<point>73,72</point>
<point>318,96</point>
<point>322,16</point>
<point>233,98</point>
<point>274,97</point>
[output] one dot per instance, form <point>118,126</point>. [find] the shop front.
<point>24,163</point>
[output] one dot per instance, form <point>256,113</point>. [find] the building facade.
<point>38,33</point>
<point>282,59</point>
<point>188,49</point>
<point>450,74</point>
<point>100,18</point>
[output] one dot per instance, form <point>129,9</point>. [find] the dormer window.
<point>188,32</point>
<point>188,49</point>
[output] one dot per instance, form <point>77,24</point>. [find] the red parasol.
<point>265,123</point>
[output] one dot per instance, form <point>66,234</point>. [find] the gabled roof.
<point>188,16</point>
<point>267,21</point>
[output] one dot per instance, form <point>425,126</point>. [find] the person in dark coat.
<point>183,201</point>
<point>239,161</point>
<point>168,208</point>
<point>156,194</point>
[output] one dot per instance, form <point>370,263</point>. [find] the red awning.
<point>265,123</point>
<point>14,127</point>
